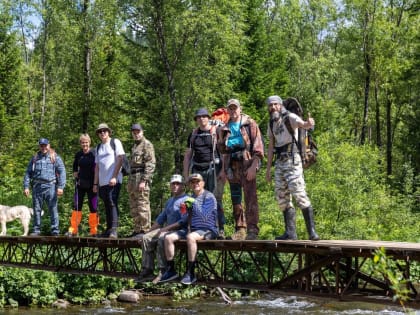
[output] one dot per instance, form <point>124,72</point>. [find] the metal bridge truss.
<point>276,266</point>
<point>72,255</point>
<point>315,268</point>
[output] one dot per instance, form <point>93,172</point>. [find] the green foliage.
<point>90,289</point>
<point>389,269</point>
<point>29,287</point>
<point>351,200</point>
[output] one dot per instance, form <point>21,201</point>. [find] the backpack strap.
<point>290,129</point>
<point>51,153</point>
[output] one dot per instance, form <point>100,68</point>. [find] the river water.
<point>264,305</point>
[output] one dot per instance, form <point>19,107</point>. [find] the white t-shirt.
<point>281,134</point>
<point>105,159</point>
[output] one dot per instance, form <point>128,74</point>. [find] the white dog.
<point>8,214</point>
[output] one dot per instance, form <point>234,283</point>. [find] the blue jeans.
<point>45,192</point>
<point>109,195</point>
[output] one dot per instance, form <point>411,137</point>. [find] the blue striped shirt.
<point>204,212</point>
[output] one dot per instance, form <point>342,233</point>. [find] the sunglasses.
<point>102,130</point>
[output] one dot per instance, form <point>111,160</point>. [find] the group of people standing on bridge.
<point>216,153</point>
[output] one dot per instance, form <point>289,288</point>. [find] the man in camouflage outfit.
<point>288,175</point>
<point>142,166</point>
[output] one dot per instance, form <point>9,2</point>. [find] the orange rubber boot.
<point>93,223</point>
<point>76,218</point>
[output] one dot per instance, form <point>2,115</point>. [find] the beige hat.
<point>195,176</point>
<point>233,101</point>
<point>103,126</point>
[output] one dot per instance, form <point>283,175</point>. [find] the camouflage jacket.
<point>142,159</point>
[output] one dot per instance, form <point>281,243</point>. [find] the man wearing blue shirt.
<point>170,219</point>
<point>202,224</point>
<point>47,174</point>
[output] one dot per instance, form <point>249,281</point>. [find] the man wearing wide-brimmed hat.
<point>108,177</point>
<point>202,157</point>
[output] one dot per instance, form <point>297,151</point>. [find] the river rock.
<point>129,296</point>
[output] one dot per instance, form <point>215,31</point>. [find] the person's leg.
<point>251,208</point>
<point>93,212</point>
<point>51,199</point>
<point>284,200</point>
<point>297,187</point>
<point>104,194</point>
<point>218,193</point>
<point>192,238</point>
<point>76,215</point>
<point>238,212</point>
<point>114,211</point>
<point>37,200</point>
<point>149,242</point>
<point>141,213</point>
<point>169,243</point>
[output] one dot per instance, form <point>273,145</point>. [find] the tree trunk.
<point>87,75</point>
<point>377,118</point>
<point>388,136</point>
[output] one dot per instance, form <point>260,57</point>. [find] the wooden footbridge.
<point>330,268</point>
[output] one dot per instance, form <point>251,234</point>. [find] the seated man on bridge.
<point>169,219</point>
<point>202,224</point>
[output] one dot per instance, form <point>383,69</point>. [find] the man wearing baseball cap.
<point>48,175</point>
<point>142,167</point>
<point>168,221</point>
<point>201,222</point>
<point>242,149</point>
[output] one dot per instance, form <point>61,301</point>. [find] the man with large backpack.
<point>202,157</point>
<point>288,175</point>
<point>241,144</point>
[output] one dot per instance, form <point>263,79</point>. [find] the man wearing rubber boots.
<point>288,175</point>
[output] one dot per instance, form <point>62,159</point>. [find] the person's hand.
<point>251,173</point>
<point>59,192</point>
<point>112,181</point>
<point>26,192</point>
<point>95,188</point>
<point>311,122</point>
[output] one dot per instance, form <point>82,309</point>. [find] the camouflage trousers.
<point>153,245</point>
<point>289,181</point>
<point>139,204</point>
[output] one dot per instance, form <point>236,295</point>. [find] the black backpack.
<point>125,168</point>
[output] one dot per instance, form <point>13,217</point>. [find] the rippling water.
<point>265,305</point>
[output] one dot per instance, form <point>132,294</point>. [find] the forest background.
<point>66,66</point>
